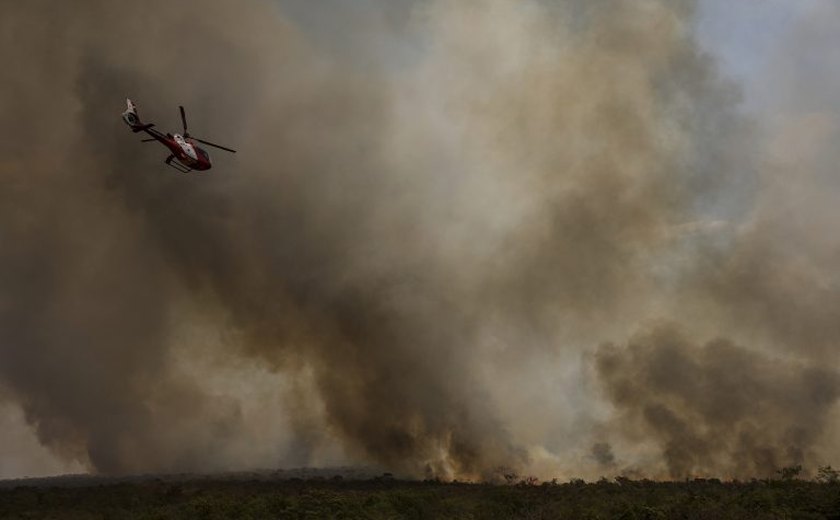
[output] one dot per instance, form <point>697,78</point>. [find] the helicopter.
<point>186,154</point>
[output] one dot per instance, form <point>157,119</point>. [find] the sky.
<point>743,36</point>
<point>772,93</point>
<point>750,40</point>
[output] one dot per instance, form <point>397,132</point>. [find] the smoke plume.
<point>717,407</point>
<point>437,213</point>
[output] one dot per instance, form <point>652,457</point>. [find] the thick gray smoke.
<point>717,407</point>
<point>431,204</point>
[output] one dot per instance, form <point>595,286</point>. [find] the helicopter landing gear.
<point>176,165</point>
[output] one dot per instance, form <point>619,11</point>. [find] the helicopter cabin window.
<point>203,154</point>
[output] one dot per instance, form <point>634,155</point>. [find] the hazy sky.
<point>744,36</point>
<point>750,37</point>
<point>782,55</point>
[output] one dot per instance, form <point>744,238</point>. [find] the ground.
<point>337,497</point>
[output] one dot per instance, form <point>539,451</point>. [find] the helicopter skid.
<point>177,165</point>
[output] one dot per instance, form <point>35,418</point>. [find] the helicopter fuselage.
<point>188,153</point>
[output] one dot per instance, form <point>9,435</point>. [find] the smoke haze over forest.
<point>558,238</point>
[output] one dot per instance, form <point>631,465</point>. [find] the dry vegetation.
<point>384,497</point>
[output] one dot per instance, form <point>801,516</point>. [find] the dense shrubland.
<point>784,497</point>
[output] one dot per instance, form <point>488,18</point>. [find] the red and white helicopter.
<point>184,150</point>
